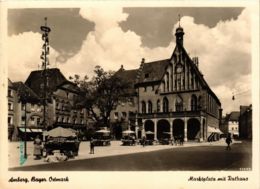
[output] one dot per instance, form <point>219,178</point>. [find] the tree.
<point>100,94</point>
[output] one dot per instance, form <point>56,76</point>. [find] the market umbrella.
<point>61,132</point>
<point>128,132</point>
<point>102,131</point>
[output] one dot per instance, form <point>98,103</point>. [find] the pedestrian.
<point>144,141</point>
<point>92,146</point>
<point>171,141</point>
<point>37,152</point>
<point>228,141</point>
<point>133,140</point>
<point>181,140</point>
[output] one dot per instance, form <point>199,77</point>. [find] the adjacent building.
<point>230,124</point>
<point>245,122</point>
<point>169,98</point>
<point>23,108</point>
<point>25,104</point>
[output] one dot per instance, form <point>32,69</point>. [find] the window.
<point>38,121</point>
<point>116,115</point>
<point>167,81</point>
<point>193,103</point>
<point>32,107</point>
<point>192,81</point>
<point>152,87</point>
<point>124,114</point>
<point>158,105</point>
<point>32,120</point>
<point>23,120</point>
<point>10,93</point>
<point>165,105</point>
<point>146,75</point>
<point>200,103</point>
<point>150,107</point>
<point>143,107</point>
<point>145,89</point>
<point>10,106</point>
<point>10,120</point>
<point>179,104</point>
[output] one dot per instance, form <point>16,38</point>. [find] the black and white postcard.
<point>120,94</point>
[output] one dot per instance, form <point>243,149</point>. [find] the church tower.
<point>179,34</point>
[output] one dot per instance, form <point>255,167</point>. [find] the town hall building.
<point>169,97</point>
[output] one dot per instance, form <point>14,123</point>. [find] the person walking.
<point>228,141</point>
<point>92,146</point>
<point>37,151</point>
<point>144,141</point>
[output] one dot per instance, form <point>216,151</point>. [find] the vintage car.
<point>102,138</point>
<point>128,140</point>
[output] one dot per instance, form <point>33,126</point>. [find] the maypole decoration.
<point>45,62</point>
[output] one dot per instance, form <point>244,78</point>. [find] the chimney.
<point>143,60</point>
<point>122,67</point>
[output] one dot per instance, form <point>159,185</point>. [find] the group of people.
<point>38,145</point>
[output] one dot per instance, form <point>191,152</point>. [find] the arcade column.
<point>201,129</point>
<point>155,129</point>
<point>185,129</point>
<point>171,130</point>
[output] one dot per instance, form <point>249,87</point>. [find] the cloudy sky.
<point>111,37</point>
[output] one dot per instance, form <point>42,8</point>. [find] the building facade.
<point>171,98</point>
<point>62,109</point>
<point>24,108</point>
<point>231,124</point>
<point>25,105</point>
<point>245,122</point>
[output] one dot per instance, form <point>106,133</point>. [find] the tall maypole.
<point>45,62</point>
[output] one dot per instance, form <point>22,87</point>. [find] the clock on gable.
<point>179,68</point>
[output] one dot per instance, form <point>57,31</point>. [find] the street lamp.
<point>24,98</point>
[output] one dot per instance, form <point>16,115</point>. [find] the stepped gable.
<point>25,92</point>
<point>35,80</point>
<point>195,69</point>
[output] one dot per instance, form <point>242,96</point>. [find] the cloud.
<point>24,52</point>
<point>223,51</point>
<point>225,57</point>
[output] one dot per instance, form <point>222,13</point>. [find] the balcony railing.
<point>167,114</point>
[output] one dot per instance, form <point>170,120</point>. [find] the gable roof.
<point>24,92</point>
<point>10,84</point>
<point>36,80</point>
<point>130,76</point>
<point>197,72</point>
<point>152,71</point>
<point>233,116</point>
<point>69,86</point>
